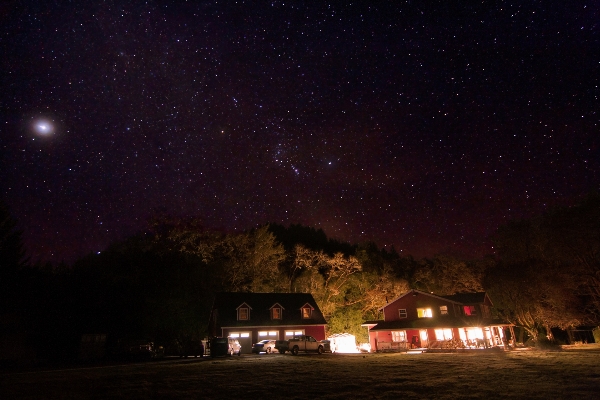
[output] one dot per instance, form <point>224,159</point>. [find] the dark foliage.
<point>159,285</point>
<point>311,238</point>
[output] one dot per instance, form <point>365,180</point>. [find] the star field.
<point>412,124</point>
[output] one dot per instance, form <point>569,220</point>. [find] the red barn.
<point>423,320</point>
<point>251,317</point>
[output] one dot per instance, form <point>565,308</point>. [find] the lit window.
<point>306,311</point>
<point>470,310</point>
<point>444,310</point>
<point>276,313</point>
<point>262,333</point>
<point>443,334</point>
<point>399,336</point>
<point>402,312</point>
<point>243,314</point>
<point>239,335</point>
<point>424,312</point>
<point>272,333</point>
<point>293,333</point>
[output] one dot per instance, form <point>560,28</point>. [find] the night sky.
<point>414,124</point>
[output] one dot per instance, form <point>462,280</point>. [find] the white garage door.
<point>245,339</point>
<point>271,335</point>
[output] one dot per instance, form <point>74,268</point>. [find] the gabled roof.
<point>277,305</point>
<point>415,292</point>
<point>224,312</point>
<point>459,298</point>
<point>242,306</point>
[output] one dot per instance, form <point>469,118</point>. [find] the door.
<point>245,339</point>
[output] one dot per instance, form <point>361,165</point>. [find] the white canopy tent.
<point>343,343</point>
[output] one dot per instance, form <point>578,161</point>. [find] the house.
<point>419,319</point>
<point>251,317</point>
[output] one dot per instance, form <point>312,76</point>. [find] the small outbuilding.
<point>343,343</point>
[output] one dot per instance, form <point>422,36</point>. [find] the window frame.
<point>398,336</point>
<point>402,313</point>
<point>472,311</point>
<point>444,334</point>
<point>277,313</point>
<point>306,312</point>
<point>423,312</point>
<point>243,313</point>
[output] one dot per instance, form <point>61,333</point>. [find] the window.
<point>243,314</point>
<point>443,310</point>
<point>399,336</point>
<point>470,310</point>
<point>424,312</point>
<point>306,312</point>
<point>276,313</point>
<point>293,333</point>
<point>402,313</point>
<point>443,334</point>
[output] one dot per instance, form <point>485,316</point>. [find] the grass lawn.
<point>572,373</point>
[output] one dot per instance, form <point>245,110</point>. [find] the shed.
<point>343,343</point>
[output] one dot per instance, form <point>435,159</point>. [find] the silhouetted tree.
<point>548,269</point>
<point>446,275</point>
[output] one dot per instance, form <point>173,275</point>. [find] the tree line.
<point>159,284</point>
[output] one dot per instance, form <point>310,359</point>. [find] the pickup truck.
<point>304,343</point>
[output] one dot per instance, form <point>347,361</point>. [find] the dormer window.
<point>243,312</point>
<point>306,312</point>
<point>276,312</point>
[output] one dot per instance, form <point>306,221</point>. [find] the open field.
<point>570,373</point>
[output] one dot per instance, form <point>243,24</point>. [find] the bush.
<point>544,344</point>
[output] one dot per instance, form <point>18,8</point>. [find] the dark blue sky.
<point>412,124</point>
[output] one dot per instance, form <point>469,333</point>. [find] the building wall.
<point>318,332</point>
<point>412,302</point>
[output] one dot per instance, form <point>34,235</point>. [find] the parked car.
<point>143,349</point>
<point>191,348</point>
<point>264,346</point>
<point>222,346</point>
<point>303,343</point>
